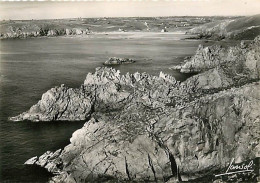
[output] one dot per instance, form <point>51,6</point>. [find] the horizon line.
<point>170,16</point>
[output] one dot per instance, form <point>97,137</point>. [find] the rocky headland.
<point>118,61</point>
<point>216,56</point>
<point>243,28</point>
<point>43,32</point>
<point>153,128</point>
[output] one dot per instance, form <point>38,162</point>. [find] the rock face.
<point>115,157</point>
<point>204,59</point>
<point>245,56</point>
<point>208,132</point>
<point>105,90</point>
<point>162,145</point>
<point>60,103</point>
<point>153,128</point>
<point>40,31</point>
<point>118,61</point>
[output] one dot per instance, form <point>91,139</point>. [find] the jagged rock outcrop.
<point>60,103</point>
<point>159,145</point>
<point>118,61</point>
<point>105,90</point>
<point>153,128</point>
<point>204,59</point>
<point>40,32</point>
<point>242,65</point>
<point>245,56</point>
<point>100,151</point>
<point>206,133</point>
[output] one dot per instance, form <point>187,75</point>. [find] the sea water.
<point>29,67</point>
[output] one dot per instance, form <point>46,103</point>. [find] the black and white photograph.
<point>129,91</point>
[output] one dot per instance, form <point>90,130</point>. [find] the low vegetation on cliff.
<point>244,28</point>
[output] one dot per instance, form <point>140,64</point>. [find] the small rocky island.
<point>118,61</point>
<point>141,127</point>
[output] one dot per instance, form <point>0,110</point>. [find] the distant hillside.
<point>246,28</point>
<point>78,26</point>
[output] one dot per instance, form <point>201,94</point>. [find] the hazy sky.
<point>49,9</point>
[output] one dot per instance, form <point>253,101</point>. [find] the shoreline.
<point>137,33</point>
<point>146,112</point>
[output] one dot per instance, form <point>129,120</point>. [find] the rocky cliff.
<point>245,56</point>
<point>153,128</point>
<point>204,59</point>
<point>144,143</point>
<point>103,91</point>
<point>40,32</point>
<point>243,28</point>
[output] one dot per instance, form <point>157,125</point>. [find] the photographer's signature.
<point>233,169</point>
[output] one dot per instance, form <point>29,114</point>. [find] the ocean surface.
<point>29,67</point>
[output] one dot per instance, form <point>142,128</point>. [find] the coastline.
<point>114,33</point>
<point>160,106</point>
<point>130,123</point>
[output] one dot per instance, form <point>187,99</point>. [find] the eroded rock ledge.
<point>149,144</point>
<point>40,32</point>
<point>210,57</point>
<point>103,91</point>
<point>154,128</point>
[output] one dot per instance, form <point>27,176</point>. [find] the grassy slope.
<point>236,28</point>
